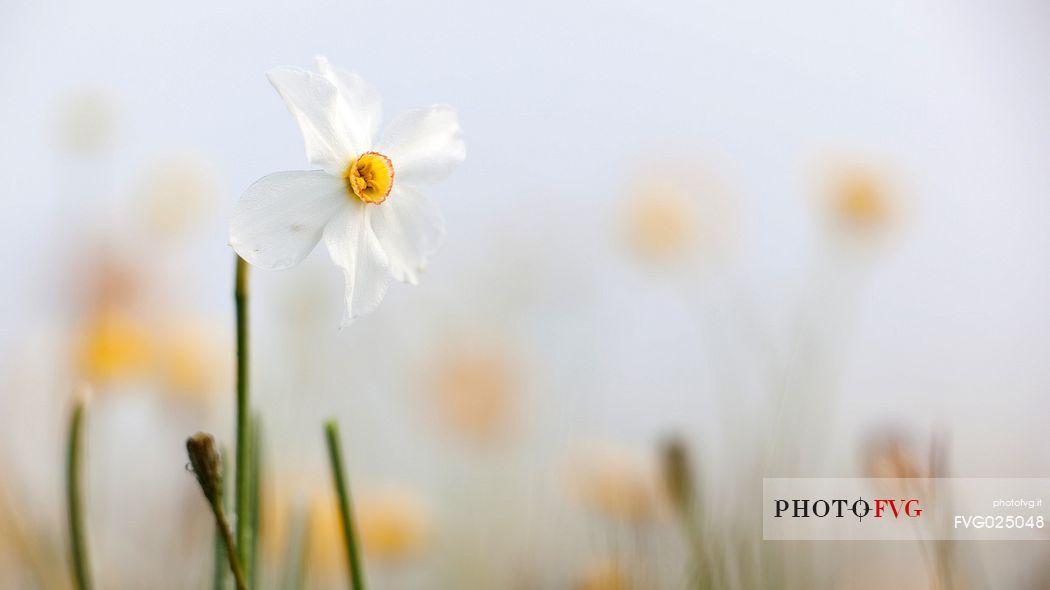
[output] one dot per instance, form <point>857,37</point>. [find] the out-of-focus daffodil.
<point>324,544</point>
<point>393,523</point>
<point>306,521</point>
<point>662,224</point>
<point>476,393</point>
<point>178,192</point>
<point>860,199</point>
<point>87,122</point>
<point>365,203</point>
<point>185,359</point>
<point>113,346</point>
<point>193,360</point>
<point>617,484</point>
<point>682,213</point>
<point>603,575</point>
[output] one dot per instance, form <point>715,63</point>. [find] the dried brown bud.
<point>678,475</point>
<point>207,465</point>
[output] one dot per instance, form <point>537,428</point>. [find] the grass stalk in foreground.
<point>77,537</point>
<point>242,485</point>
<point>353,554</point>
<point>207,466</point>
<point>256,498</point>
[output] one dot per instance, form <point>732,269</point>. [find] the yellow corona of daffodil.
<point>365,203</point>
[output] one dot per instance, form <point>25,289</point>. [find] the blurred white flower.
<point>87,122</point>
<point>617,483</point>
<point>177,193</point>
<point>393,522</point>
<point>365,203</point>
<point>684,213</point>
<point>861,199</point>
<point>475,393</point>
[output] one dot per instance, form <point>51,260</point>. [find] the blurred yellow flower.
<point>617,484</point>
<point>661,225</point>
<point>392,525</point>
<point>325,536</point>
<point>681,213</point>
<point>860,199</point>
<point>393,522</point>
<point>185,358</point>
<point>603,575</point>
<point>113,346</point>
<point>476,393</point>
<point>193,359</point>
<point>313,514</point>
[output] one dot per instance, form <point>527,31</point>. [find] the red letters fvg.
<point>898,508</point>
<point>860,508</point>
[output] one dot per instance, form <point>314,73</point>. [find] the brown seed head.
<point>207,465</point>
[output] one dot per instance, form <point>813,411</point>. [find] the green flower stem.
<point>78,540</point>
<point>353,556</point>
<point>242,484</point>
<point>256,483</point>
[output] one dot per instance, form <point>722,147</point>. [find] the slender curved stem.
<point>208,468</point>
<point>353,555</point>
<point>221,564</point>
<point>242,484</point>
<point>78,540</point>
<point>223,526</point>
<point>256,483</point>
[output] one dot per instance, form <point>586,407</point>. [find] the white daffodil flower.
<point>366,202</point>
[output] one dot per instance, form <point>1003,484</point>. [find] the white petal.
<point>410,228</point>
<point>315,104</point>
<point>423,144</point>
<point>279,219</point>
<point>359,100</point>
<point>355,249</point>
